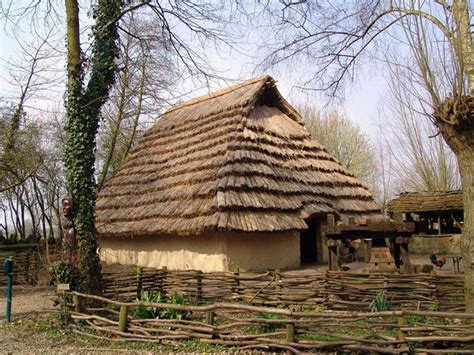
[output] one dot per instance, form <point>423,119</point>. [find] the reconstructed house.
<point>228,179</point>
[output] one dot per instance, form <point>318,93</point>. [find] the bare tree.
<point>336,38</point>
<point>344,140</point>
<point>30,76</point>
<point>423,160</point>
<point>186,26</point>
<point>147,74</point>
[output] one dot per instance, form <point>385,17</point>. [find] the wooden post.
<point>396,254</point>
<point>404,255</point>
<point>36,262</point>
<point>290,335</point>
<point>77,301</point>
<point>368,246</point>
<point>210,317</point>
<point>122,326</point>
<point>401,321</point>
<point>139,281</point>
<point>330,220</point>
<point>333,255</point>
<point>439,224</point>
<point>26,270</point>
<point>277,279</point>
<point>199,277</point>
<point>290,332</point>
<point>237,283</point>
<point>163,281</point>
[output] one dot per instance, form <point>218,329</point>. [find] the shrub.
<point>62,272</point>
<point>146,312</point>
<point>380,303</point>
<point>175,313</point>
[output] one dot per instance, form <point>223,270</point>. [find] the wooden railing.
<point>242,327</point>
<point>333,290</point>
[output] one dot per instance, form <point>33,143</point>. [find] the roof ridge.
<point>220,92</point>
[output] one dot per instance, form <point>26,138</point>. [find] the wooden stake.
<point>139,281</point>
<point>237,282</point>
<point>290,332</point>
<point>277,279</point>
<point>401,321</point>
<point>122,326</point>
<point>210,317</point>
<point>77,301</point>
<point>199,277</point>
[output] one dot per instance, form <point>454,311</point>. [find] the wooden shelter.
<point>227,179</point>
<point>439,212</point>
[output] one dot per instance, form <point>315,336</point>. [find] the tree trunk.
<point>79,158</point>
<point>455,120</point>
<point>466,166</point>
<point>83,112</point>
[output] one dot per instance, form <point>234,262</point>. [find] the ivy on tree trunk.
<point>83,105</point>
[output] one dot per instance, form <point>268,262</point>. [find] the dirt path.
<point>28,300</point>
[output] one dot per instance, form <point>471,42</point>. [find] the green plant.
<point>62,272</point>
<point>175,313</point>
<point>380,303</point>
<point>145,312</point>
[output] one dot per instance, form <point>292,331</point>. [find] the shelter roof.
<point>238,159</point>
<point>409,202</point>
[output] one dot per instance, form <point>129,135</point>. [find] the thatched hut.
<point>228,179</point>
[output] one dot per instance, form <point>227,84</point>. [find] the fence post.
<point>210,317</point>
<point>77,301</point>
<point>36,259</point>
<point>139,281</point>
<point>199,277</point>
<point>401,321</point>
<point>277,280</point>
<point>290,332</point>
<point>26,271</point>
<point>237,283</point>
<point>122,326</point>
<point>163,280</point>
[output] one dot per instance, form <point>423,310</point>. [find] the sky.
<point>362,98</point>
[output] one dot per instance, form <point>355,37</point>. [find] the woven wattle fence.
<point>25,263</point>
<point>333,290</point>
<point>244,327</point>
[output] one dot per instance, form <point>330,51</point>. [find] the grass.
<point>48,330</point>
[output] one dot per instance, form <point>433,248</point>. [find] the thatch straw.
<point>238,159</point>
<point>408,202</point>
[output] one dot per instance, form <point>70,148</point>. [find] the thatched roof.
<point>409,202</point>
<point>237,159</point>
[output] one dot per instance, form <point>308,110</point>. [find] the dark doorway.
<point>309,242</point>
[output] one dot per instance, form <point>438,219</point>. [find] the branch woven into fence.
<point>255,327</point>
<point>334,290</point>
<point>25,263</point>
